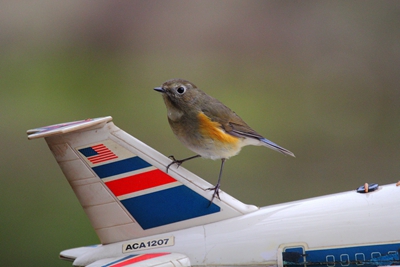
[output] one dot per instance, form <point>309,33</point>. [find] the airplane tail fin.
<point>123,186</point>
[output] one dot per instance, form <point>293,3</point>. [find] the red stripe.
<point>138,258</point>
<point>139,182</point>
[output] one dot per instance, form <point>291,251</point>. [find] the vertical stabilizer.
<point>122,185</point>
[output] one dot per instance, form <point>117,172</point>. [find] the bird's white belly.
<point>213,149</point>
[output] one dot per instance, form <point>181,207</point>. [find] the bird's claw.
<point>216,193</point>
<point>174,161</point>
<point>179,162</point>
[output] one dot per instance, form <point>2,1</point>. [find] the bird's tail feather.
<point>276,147</point>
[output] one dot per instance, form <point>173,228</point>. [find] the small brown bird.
<point>206,126</point>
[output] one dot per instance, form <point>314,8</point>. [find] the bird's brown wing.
<point>230,122</point>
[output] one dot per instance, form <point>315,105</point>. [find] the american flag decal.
<point>98,153</point>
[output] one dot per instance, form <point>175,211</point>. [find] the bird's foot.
<point>174,161</point>
<point>179,162</point>
<point>216,193</point>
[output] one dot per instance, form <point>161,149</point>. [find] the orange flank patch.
<point>213,130</point>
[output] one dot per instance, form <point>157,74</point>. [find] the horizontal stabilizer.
<point>73,253</point>
<point>64,128</point>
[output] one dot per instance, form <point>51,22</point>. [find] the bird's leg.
<point>217,186</point>
<point>179,162</point>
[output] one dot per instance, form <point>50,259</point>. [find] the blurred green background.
<point>320,78</point>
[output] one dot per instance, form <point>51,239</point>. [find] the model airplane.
<point>146,217</point>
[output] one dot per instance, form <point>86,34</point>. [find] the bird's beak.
<point>159,89</point>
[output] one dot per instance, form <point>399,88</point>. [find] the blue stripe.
<point>88,151</point>
<point>367,256</point>
<point>119,260</point>
<point>168,206</point>
<point>122,166</point>
<point>320,255</point>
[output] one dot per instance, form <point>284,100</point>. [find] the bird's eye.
<point>181,90</point>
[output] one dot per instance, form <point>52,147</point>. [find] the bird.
<point>207,127</point>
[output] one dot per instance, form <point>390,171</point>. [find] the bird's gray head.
<point>180,94</point>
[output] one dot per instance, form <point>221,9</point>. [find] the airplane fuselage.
<point>344,229</point>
